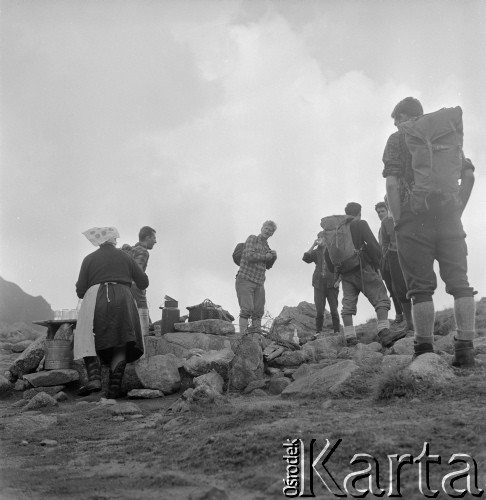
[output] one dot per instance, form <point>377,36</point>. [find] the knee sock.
<point>349,332</point>
<point>465,314</point>
<point>423,315</point>
<point>243,322</point>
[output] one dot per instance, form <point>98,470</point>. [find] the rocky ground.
<point>232,447</point>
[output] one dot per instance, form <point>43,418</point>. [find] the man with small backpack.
<point>424,163</point>
<point>255,258</point>
<point>324,284</point>
<point>354,254</point>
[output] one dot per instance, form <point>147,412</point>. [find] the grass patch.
<point>397,383</point>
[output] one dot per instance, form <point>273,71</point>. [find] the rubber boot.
<point>93,368</point>
<point>115,381</point>
<point>463,354</point>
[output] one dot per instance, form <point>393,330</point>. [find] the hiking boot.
<point>463,354</point>
<point>422,349</point>
<point>387,338</point>
<point>351,341</point>
<point>93,369</point>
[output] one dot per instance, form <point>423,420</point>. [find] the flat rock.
<point>218,361</point>
<point>52,377</point>
<point>213,326</point>
<point>322,382</point>
<point>52,391</point>
<point>124,409</point>
<point>292,358</point>
<point>20,346</point>
<point>40,400</point>
<point>180,343</point>
<point>145,394</point>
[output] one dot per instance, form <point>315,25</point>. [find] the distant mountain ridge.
<point>18,306</point>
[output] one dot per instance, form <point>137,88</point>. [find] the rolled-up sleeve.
<point>391,157</point>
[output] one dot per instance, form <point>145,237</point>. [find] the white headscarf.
<point>99,235</point>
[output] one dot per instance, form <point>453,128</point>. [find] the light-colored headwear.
<point>99,235</point>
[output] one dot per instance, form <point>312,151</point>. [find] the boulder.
<point>318,383</point>
<point>211,379</point>
<point>431,369</point>
<point>367,357</point>
<point>52,391</point>
<point>5,385</point>
<point>159,372</point>
<point>27,424</point>
<point>212,326</point>
<point>20,346</point>
<point>145,394</point>
<point>40,400</point>
<point>277,385</point>
<point>179,343</point>
<point>29,360</point>
<point>293,358</point>
<point>52,377</point>
<point>218,361</point>
<point>327,347</point>
<point>302,318</point>
<point>247,364</point>
<point>403,346</point>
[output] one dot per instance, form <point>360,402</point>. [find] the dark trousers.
<point>428,237</point>
<point>387,278</point>
<point>320,297</point>
<point>398,281</point>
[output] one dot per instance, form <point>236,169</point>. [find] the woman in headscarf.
<point>108,324</point>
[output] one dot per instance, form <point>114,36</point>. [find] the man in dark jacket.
<point>323,282</point>
<point>365,279</point>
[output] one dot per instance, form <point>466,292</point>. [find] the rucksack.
<point>237,253</point>
<point>339,242</point>
<point>435,142</point>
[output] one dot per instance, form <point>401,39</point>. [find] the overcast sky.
<point>204,118</point>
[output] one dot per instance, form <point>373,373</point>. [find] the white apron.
<point>84,344</point>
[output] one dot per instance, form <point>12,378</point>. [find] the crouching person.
<point>323,282</point>
<point>108,326</point>
<point>255,260</point>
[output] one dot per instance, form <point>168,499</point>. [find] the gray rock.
<point>124,409</point>
<point>52,377</point>
<point>48,442</point>
<point>273,372</point>
<point>5,385</point>
<point>256,384</point>
<point>395,361</point>
<point>328,380</point>
<point>21,385</point>
<point>180,343</point>
<point>302,318</point>
<point>431,368</point>
<point>28,423</point>
<point>292,358</point>
<point>29,360</point>
<point>366,357</point>
<point>247,365</point>
<point>258,392</point>
<point>218,361</point>
<point>403,346</point>
<point>211,379</point>
<point>20,346</point>
<point>205,394</point>
<point>40,400</point>
<point>277,385</point>
<point>326,348</point>
<point>20,403</point>
<point>213,326</point>
<point>159,372</point>
<point>60,396</point>
<point>52,391</point>
<point>145,394</point>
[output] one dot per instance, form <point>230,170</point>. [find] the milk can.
<point>170,315</point>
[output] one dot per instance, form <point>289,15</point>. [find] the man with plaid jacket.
<point>250,279</point>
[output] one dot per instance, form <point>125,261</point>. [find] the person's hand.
<point>268,256</point>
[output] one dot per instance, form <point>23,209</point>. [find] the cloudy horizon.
<point>204,118</point>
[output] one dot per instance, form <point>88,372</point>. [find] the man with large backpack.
<point>424,163</point>
<point>354,254</point>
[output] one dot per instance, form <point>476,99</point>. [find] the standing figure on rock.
<point>108,324</point>
<point>424,163</point>
<point>255,260</point>
<point>325,284</point>
<point>354,254</point>
<point>140,253</point>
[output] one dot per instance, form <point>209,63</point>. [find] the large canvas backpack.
<point>339,242</point>
<point>435,142</point>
